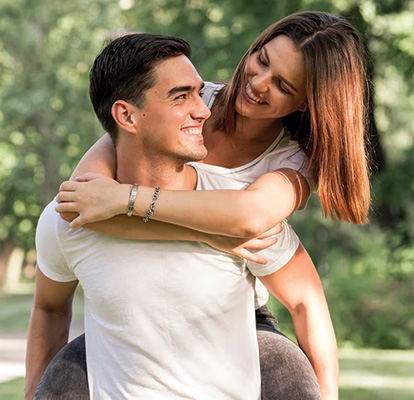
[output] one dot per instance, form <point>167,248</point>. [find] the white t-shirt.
<point>163,320</point>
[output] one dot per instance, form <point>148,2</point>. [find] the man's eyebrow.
<point>291,85</point>
<point>180,89</point>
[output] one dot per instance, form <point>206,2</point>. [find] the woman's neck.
<point>257,130</point>
<point>250,140</point>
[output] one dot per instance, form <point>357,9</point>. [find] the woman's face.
<point>276,81</point>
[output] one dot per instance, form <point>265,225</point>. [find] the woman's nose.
<point>260,82</point>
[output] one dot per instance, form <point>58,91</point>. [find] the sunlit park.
<point>47,123</point>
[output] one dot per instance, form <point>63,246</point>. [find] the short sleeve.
<point>298,161</point>
<point>209,93</point>
<point>50,256</point>
<point>277,255</point>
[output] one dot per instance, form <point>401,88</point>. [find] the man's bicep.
<point>53,296</point>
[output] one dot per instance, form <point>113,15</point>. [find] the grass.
<point>12,390</point>
<point>15,309</point>
<point>376,374</point>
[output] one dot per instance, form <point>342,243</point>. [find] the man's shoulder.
<point>50,219</point>
<point>51,226</point>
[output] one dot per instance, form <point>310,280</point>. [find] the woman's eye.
<point>260,59</point>
<point>280,87</point>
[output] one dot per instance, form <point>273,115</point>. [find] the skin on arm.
<point>100,158</point>
<point>121,227</point>
<point>298,287</point>
<point>244,213</point>
<point>239,213</point>
<point>48,328</point>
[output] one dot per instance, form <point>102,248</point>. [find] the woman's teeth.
<point>251,95</point>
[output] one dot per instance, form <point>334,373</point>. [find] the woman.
<point>302,79</point>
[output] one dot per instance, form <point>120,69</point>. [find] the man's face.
<point>171,121</point>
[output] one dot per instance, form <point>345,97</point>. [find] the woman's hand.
<point>94,197</point>
<point>245,248</point>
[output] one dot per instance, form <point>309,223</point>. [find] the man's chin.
<point>198,155</point>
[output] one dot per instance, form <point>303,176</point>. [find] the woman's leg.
<point>285,370</point>
<point>66,376</point>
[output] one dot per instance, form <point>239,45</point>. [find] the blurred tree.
<point>46,119</point>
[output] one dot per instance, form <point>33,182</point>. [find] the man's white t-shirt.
<point>163,320</point>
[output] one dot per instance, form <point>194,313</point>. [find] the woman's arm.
<point>240,213</point>
<point>245,213</point>
<point>121,227</point>
<point>298,287</point>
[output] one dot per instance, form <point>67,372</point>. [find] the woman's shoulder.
<point>210,91</point>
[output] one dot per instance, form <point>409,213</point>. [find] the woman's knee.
<point>66,376</point>
<point>285,370</point>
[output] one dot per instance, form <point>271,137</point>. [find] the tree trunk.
<point>5,251</point>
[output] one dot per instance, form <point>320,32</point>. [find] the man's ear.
<point>125,115</point>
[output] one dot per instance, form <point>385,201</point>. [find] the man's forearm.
<point>316,337</point>
<point>48,333</point>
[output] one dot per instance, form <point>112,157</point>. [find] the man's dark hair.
<point>124,70</point>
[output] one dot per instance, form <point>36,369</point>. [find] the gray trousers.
<point>286,373</point>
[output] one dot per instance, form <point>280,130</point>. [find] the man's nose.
<point>200,110</point>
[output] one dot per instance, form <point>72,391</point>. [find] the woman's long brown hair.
<point>332,132</point>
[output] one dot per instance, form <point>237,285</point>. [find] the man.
<point>162,319</point>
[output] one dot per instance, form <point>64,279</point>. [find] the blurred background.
<point>47,122</point>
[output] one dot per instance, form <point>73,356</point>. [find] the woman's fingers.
<point>273,231</point>
<point>66,206</point>
<point>249,249</point>
<point>89,176</point>
<point>249,256</point>
<point>65,197</point>
<point>77,222</point>
<point>260,244</point>
<point>68,186</point>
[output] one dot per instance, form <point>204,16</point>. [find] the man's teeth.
<point>252,95</point>
<point>193,131</point>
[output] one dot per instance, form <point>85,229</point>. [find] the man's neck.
<point>154,171</point>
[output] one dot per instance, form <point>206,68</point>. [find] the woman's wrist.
<point>124,198</point>
<point>143,200</point>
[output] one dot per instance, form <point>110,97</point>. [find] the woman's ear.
<point>304,107</point>
<point>125,115</point>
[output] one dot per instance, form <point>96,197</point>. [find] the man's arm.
<point>48,328</point>
<point>298,287</point>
